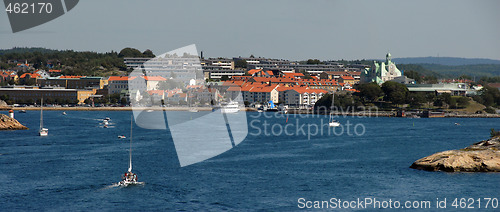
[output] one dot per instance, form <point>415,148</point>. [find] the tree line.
<point>391,95</point>
<point>71,62</point>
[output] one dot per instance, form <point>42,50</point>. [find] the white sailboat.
<point>43,131</point>
<point>129,178</point>
<point>332,122</point>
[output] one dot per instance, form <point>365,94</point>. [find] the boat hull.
<point>333,124</point>
<point>43,132</point>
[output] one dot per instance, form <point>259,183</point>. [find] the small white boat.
<point>43,131</point>
<point>129,178</point>
<point>193,110</point>
<point>105,122</point>
<point>121,136</point>
<point>107,119</point>
<point>231,107</point>
<point>22,111</point>
<point>333,124</point>
<point>64,113</point>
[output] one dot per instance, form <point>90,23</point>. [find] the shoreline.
<point>291,111</point>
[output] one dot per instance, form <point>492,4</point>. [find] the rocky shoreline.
<point>483,156</point>
<point>8,123</point>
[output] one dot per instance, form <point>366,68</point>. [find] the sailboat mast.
<point>331,107</point>
<point>41,114</point>
<point>130,151</point>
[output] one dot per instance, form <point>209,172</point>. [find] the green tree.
<point>369,91</point>
<point>395,92</point>
<point>430,80</point>
<point>148,53</point>
<point>414,75</point>
<point>130,52</point>
<point>313,61</point>
<point>462,102</point>
<point>224,78</point>
<point>416,99</point>
<point>443,100</point>
<point>123,101</point>
<point>173,75</point>
<point>241,64</point>
<point>490,96</point>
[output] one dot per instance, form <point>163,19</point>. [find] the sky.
<point>288,29</point>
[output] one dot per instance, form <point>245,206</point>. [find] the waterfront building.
<point>454,89</point>
<point>73,82</point>
<point>303,97</point>
<point>263,93</point>
<point>116,84</point>
<point>33,94</point>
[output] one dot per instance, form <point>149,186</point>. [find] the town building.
<point>454,89</point>
<point>34,94</point>
<point>381,71</point>
<point>73,82</point>
<point>303,97</point>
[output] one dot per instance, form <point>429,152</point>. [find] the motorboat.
<point>231,107</point>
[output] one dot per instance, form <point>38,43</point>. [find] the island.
<point>8,123</point>
<point>483,156</point>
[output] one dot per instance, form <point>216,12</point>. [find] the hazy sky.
<point>279,29</point>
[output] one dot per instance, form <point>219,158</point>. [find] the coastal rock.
<point>483,156</point>
<point>7,123</point>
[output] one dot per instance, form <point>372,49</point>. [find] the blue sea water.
<point>74,167</point>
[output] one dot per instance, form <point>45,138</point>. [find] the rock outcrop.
<point>7,123</point>
<point>483,156</point>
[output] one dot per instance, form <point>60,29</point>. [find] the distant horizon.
<point>292,29</point>
<point>258,56</point>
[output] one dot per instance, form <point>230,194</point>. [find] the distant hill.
<point>478,70</point>
<point>21,50</point>
<point>448,61</point>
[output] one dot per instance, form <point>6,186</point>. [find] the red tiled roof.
<point>308,90</point>
<point>156,92</point>
<point>357,73</point>
<point>30,74</point>
<point>154,78</point>
<point>263,89</point>
<point>336,72</point>
<point>294,74</point>
<point>274,79</point>
<point>54,71</point>
<point>234,88</point>
<point>120,78</point>
<point>352,90</point>
<point>253,71</point>
<point>71,77</point>
<point>347,77</point>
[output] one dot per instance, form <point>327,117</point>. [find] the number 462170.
<point>26,8</point>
